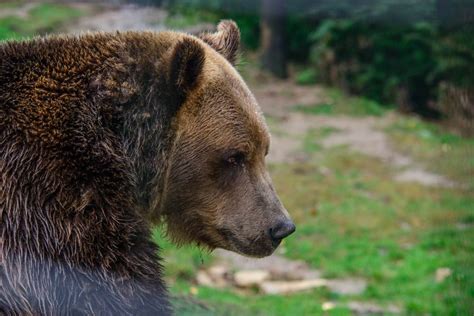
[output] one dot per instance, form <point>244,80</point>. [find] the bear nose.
<point>282,230</point>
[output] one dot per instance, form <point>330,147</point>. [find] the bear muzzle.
<point>281,230</point>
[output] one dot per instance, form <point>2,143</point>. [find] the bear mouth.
<point>257,247</point>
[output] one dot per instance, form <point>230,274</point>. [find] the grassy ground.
<point>338,103</point>
<point>447,153</point>
<point>354,220</point>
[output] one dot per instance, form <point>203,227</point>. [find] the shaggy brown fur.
<point>99,133</point>
<point>73,240</point>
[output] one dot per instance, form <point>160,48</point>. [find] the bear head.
<point>217,191</point>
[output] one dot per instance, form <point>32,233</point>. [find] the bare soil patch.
<point>121,18</point>
<point>361,134</point>
<point>20,11</point>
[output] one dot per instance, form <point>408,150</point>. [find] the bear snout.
<point>281,230</point>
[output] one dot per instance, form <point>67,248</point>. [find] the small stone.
<point>285,287</point>
<point>202,278</point>
<point>367,308</point>
<point>247,278</point>
<point>325,171</point>
<point>280,268</point>
<point>220,276</point>
<point>193,290</point>
<point>347,286</point>
<point>328,306</point>
<point>217,271</point>
<point>442,274</point>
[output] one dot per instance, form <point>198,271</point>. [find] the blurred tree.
<point>273,37</point>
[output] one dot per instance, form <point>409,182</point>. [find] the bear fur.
<point>93,146</point>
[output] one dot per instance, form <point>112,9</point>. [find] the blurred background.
<point>371,109</point>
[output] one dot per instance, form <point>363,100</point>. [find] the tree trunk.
<point>273,38</point>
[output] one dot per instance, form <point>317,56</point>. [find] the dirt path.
<point>20,11</point>
<point>120,18</point>
<point>360,134</point>
<point>110,18</point>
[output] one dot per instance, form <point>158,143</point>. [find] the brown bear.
<point>103,132</point>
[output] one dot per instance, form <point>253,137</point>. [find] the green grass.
<point>224,302</point>
<point>181,262</point>
<point>311,141</point>
<point>306,77</point>
<point>43,18</point>
<point>338,103</point>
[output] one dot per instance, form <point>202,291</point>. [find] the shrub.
<point>306,77</point>
<point>390,64</point>
<point>416,67</point>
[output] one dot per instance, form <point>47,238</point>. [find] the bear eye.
<point>235,159</point>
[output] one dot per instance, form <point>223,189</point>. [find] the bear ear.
<point>187,61</point>
<point>226,41</point>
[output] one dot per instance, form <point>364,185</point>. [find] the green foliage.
<point>186,17</point>
<point>191,12</point>
<point>400,64</point>
<point>249,25</point>
<point>455,53</point>
<point>298,31</point>
<point>306,77</point>
<point>387,64</point>
<point>317,109</point>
